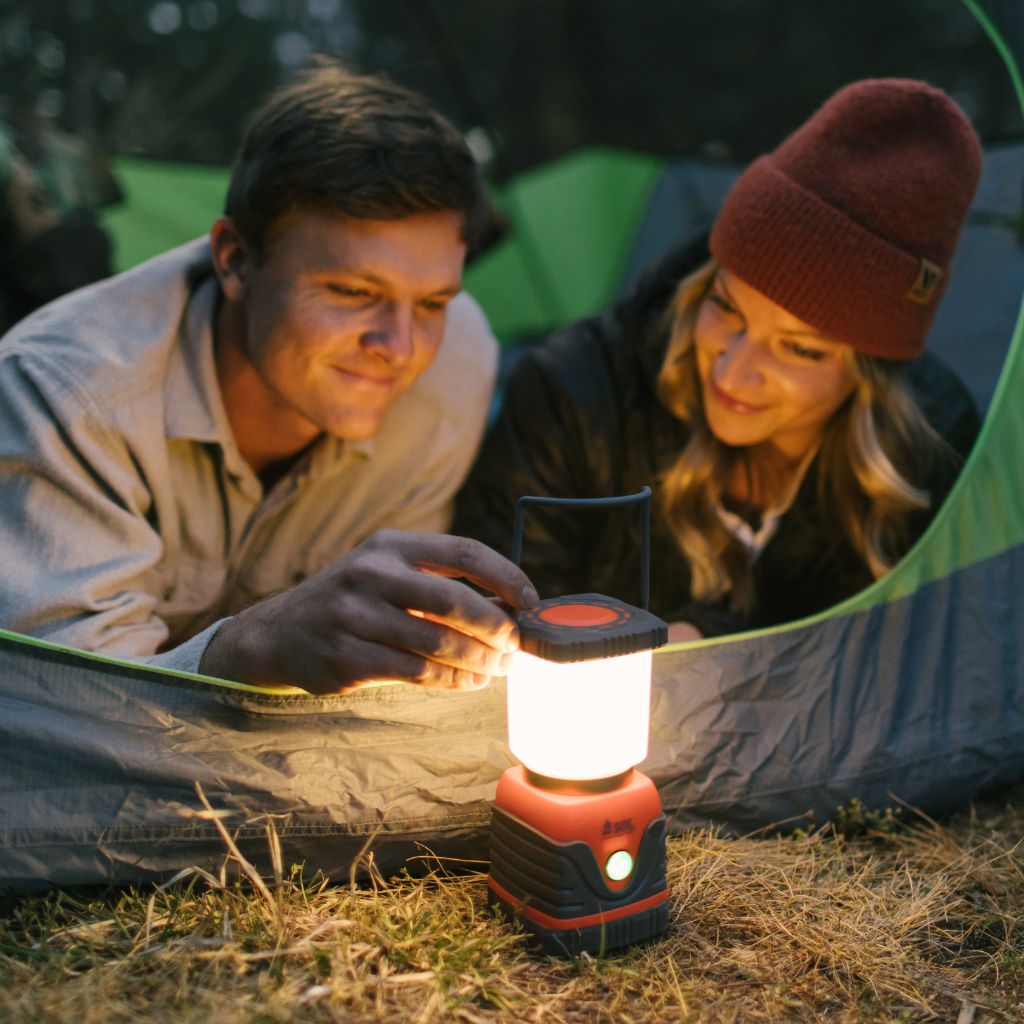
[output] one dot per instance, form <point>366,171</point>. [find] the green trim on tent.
<point>977,8</point>
<point>167,675</point>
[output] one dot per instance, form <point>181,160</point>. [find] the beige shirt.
<point>129,522</point>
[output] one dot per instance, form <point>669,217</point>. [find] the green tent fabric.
<point>912,690</point>
<point>165,205</point>
<point>574,222</point>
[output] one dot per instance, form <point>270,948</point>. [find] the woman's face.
<point>766,376</point>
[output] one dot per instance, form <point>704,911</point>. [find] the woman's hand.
<point>683,632</point>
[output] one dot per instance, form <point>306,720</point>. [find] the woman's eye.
<point>805,351</point>
<point>722,303</point>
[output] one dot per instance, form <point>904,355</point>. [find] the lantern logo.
<point>617,828</point>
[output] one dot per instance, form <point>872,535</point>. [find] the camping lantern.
<point>578,834</point>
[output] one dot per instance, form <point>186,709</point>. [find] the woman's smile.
<point>734,404</point>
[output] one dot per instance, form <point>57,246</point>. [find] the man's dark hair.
<point>356,145</point>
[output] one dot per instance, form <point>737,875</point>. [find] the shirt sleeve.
<point>186,656</point>
<point>81,553</point>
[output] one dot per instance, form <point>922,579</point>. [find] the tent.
<point>912,690</point>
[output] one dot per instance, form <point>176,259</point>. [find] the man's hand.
<point>391,609</point>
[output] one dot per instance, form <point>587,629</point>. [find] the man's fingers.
<point>436,641</point>
<point>376,615</point>
<point>364,662</point>
<point>451,603</point>
<point>443,555</point>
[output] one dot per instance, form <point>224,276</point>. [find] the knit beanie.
<point>850,224</point>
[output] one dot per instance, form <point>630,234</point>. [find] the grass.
<point>871,919</point>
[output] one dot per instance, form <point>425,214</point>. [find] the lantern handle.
<point>642,497</point>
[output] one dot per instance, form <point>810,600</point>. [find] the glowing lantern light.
<point>580,719</point>
<point>578,835</point>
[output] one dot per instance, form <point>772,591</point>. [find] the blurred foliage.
<point>529,80</point>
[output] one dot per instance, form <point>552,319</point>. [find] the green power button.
<point>618,866</point>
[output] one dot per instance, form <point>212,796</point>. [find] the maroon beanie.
<point>850,224</point>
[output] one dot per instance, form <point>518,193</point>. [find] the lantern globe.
<point>579,720</point>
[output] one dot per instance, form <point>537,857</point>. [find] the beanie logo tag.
<point>928,277</point>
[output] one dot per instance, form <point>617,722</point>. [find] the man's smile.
<point>367,379</point>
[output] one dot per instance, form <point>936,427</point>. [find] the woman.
<point>772,388</point>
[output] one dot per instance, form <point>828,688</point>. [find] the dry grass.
<point>907,923</point>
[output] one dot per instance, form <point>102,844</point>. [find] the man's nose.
<point>391,335</point>
<point>739,363</point>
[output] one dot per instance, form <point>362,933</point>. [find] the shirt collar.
<point>330,454</point>
<point>193,409</point>
<point>755,541</point>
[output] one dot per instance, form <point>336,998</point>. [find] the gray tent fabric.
<point>901,703</point>
<point>970,329</point>
<point>682,204</point>
<point>101,761</point>
<point>898,703</point>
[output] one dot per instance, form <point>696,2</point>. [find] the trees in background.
<point>529,79</point>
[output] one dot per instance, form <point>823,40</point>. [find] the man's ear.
<point>231,258</point>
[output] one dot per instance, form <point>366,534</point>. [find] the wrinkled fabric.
<point>919,702</point>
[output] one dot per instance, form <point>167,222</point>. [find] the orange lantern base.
<point>581,865</point>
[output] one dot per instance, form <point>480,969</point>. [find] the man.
<point>215,461</point>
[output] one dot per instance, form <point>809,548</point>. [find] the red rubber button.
<point>578,615</point>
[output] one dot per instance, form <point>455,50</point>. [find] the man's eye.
<point>434,305</point>
<point>349,292</point>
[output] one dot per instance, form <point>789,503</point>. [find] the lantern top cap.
<point>581,627</point>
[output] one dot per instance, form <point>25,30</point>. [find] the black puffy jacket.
<point>581,418</point>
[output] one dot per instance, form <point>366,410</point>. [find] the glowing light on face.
<point>343,315</point>
<point>580,720</point>
<point>767,377</point>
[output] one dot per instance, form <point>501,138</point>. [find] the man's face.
<point>342,315</point>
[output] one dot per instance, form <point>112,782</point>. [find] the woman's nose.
<point>738,363</point>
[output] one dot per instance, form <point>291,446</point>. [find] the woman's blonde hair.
<point>869,446</point>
